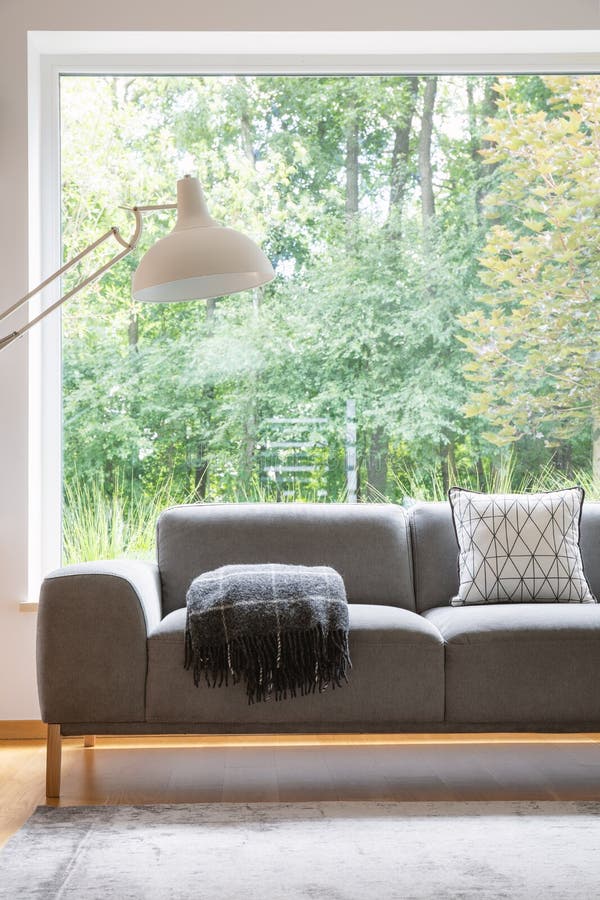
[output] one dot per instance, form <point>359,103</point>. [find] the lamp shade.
<point>199,259</point>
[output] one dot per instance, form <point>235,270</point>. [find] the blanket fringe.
<point>272,665</point>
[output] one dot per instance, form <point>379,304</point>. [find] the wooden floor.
<point>192,770</point>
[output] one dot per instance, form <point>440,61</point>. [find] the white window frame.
<point>51,54</point>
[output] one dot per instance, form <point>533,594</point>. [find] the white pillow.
<point>519,548</point>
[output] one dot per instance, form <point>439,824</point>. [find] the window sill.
<point>28,606</point>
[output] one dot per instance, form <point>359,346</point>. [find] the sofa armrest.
<point>93,622</point>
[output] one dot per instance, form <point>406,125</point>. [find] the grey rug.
<point>321,851</point>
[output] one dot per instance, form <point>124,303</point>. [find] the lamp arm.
<point>113,232</point>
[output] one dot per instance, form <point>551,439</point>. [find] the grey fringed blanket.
<point>280,628</point>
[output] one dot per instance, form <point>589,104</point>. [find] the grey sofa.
<point>111,648</point>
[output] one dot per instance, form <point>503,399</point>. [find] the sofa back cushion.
<point>435,552</point>
<point>368,544</point>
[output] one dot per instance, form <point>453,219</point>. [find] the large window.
<point>434,314</point>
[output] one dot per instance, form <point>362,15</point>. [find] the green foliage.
<point>534,337</point>
<point>430,483</point>
<point>97,525</point>
<point>365,306</point>
<point>122,524</point>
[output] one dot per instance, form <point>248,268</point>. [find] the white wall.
<point>18,696</point>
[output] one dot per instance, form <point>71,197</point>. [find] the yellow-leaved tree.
<point>534,340</point>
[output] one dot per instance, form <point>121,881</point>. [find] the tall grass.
<point>253,490</point>
<point>122,524</point>
<point>97,526</point>
<point>414,483</point>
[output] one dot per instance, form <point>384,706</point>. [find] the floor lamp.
<point>198,260</point>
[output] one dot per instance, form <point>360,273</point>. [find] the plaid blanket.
<point>279,628</point>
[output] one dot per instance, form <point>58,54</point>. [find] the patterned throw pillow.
<point>519,548</point>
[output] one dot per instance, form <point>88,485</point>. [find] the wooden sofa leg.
<point>53,756</point>
<point>89,740</point>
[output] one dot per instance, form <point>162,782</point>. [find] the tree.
<point>425,166</point>
<point>327,173</point>
<point>400,168</point>
<point>534,339</point>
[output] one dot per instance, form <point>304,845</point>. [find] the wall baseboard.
<point>22,730</point>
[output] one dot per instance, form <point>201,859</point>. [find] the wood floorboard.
<point>517,775</point>
<point>253,783</point>
<point>188,770</point>
<point>303,775</point>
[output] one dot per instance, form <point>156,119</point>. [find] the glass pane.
<point>433,320</point>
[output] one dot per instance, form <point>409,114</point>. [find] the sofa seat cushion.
<point>521,663</point>
<point>397,676</point>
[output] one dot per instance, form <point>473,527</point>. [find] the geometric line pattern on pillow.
<point>519,548</point>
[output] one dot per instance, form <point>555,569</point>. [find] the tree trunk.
<point>474,148</point>
<point>400,160</point>
<point>563,458</point>
<point>250,426</point>
<point>486,170</point>
<point>248,443</point>
<point>201,473</point>
<point>352,152</point>
<point>246,123</point>
<point>133,331</point>
<point>377,458</point>
<point>201,469</point>
<point>489,111</point>
<point>426,179</point>
<point>481,479</point>
<point>209,315</point>
<point>448,462</point>
<point>425,168</point>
